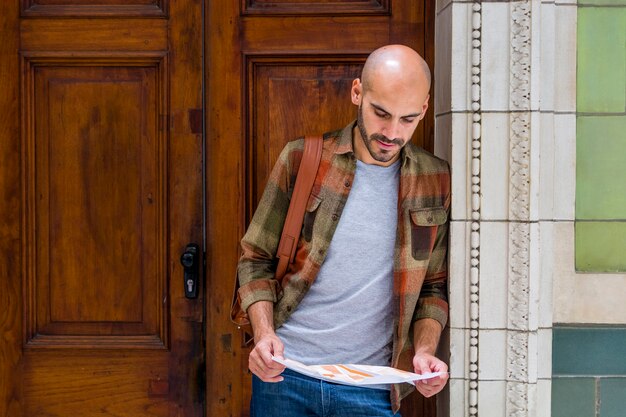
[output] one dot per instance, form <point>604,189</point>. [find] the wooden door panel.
<point>309,7</point>
<point>311,34</point>
<point>277,70</point>
<point>100,36</point>
<point>288,96</point>
<point>93,8</point>
<point>10,207</point>
<point>94,130</point>
<point>112,384</point>
<point>102,174</point>
<point>83,3</point>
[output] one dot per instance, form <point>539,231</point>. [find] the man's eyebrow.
<point>377,107</point>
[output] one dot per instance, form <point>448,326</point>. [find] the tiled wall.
<point>589,372</point>
<point>589,361</point>
<point>601,136</point>
<point>507,120</point>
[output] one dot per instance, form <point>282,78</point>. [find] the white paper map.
<point>355,374</point>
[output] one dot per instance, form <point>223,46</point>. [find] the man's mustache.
<point>385,139</point>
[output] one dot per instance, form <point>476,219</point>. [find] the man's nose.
<point>393,129</point>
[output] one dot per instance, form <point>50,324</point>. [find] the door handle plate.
<point>190,259</point>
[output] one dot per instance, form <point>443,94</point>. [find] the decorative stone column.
<point>505,119</point>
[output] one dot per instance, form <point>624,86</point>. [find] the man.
<point>369,281</point>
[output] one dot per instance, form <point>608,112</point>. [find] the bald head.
<point>392,98</point>
<point>395,63</point>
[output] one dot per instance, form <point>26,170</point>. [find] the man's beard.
<point>383,155</point>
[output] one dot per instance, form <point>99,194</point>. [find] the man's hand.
<point>266,344</point>
<point>426,334</point>
<point>260,360</point>
<point>424,363</point>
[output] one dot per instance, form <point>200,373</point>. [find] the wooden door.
<point>100,191</point>
<point>276,70</point>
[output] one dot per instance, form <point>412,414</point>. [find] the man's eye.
<point>408,120</point>
<point>381,115</point>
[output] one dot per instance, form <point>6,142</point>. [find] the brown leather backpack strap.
<point>295,215</point>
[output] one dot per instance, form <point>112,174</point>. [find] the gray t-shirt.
<point>347,315</point>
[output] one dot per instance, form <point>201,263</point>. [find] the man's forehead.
<point>399,83</point>
<point>403,102</point>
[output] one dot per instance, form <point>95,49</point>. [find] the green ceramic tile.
<point>591,351</point>
<point>573,397</point>
<point>613,397</point>
<point>600,246</point>
<point>601,71</point>
<point>611,3</point>
<point>601,167</point>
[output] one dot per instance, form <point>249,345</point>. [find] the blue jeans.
<point>299,395</point>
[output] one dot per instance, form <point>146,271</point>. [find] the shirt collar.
<point>345,144</point>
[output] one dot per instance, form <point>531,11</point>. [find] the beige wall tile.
<point>491,398</point>
<point>584,297</point>
<point>492,347</point>
<point>494,271</point>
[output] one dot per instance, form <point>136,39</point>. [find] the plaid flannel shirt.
<point>419,262</point>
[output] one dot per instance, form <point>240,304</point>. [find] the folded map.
<point>351,374</point>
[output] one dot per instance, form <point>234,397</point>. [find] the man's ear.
<point>424,107</point>
<point>356,92</point>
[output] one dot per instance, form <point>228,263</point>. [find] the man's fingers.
<point>268,375</point>
<point>273,379</point>
<point>266,357</point>
<point>434,385</point>
<point>260,360</point>
<point>428,390</point>
<point>425,391</point>
<point>267,348</point>
<point>423,367</point>
<point>261,364</point>
<point>264,351</point>
<point>278,349</point>
<point>440,366</point>
<point>437,381</point>
<point>265,373</point>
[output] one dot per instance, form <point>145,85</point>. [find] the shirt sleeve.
<point>433,299</point>
<point>257,265</point>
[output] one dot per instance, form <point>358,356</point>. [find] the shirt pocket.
<point>312,208</point>
<point>424,224</point>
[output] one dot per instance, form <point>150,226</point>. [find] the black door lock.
<point>190,259</point>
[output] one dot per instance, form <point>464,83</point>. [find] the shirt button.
<point>335,217</point>
<point>347,183</point>
<point>289,308</point>
<point>320,251</point>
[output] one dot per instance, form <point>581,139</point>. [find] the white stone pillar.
<point>505,119</point>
